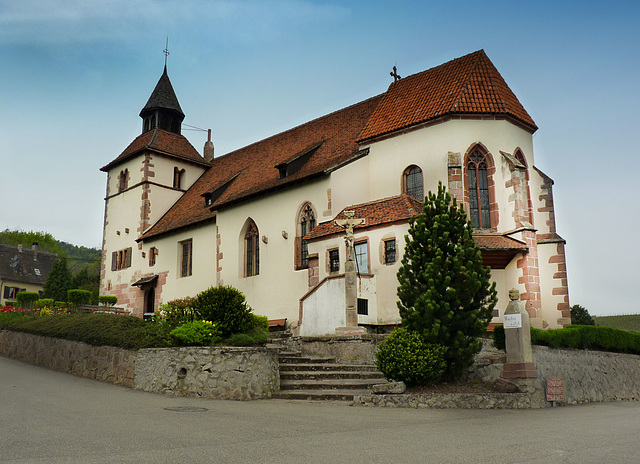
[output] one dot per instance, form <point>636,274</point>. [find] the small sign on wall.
<point>555,389</point>
<point>512,321</point>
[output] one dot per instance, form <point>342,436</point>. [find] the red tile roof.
<point>255,165</point>
<point>467,85</point>
<point>499,242</point>
<point>375,213</point>
<point>163,142</point>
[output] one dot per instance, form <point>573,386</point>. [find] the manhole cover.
<point>186,409</point>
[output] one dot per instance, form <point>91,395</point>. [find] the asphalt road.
<point>49,417</point>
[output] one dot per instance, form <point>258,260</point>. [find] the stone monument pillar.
<point>517,331</point>
<point>350,281</point>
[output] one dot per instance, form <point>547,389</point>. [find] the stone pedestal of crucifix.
<point>350,280</point>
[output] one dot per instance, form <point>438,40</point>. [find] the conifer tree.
<point>444,292</point>
<point>60,280</point>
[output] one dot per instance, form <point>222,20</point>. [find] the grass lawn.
<point>626,322</point>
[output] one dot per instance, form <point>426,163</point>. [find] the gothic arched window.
<point>412,183</point>
<point>251,250</point>
<point>305,224</point>
<point>478,181</point>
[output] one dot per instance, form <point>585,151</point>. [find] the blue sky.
<point>74,74</point>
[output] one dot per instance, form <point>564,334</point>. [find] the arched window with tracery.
<point>529,206</point>
<point>251,250</point>
<point>304,225</point>
<point>412,183</point>
<point>477,166</point>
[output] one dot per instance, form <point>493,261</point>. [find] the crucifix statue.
<point>348,225</point>
<point>395,75</point>
<point>351,294</point>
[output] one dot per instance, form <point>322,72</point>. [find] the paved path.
<point>49,417</point>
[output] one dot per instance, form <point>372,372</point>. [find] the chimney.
<point>34,247</point>
<point>208,149</point>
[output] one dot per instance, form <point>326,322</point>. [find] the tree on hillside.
<point>45,241</point>
<point>580,316</point>
<point>59,281</point>
<point>444,292</point>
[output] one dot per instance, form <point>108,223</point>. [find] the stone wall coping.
<point>343,338</point>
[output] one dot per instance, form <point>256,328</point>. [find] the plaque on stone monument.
<point>512,321</point>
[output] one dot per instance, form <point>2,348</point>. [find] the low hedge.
<point>581,337</point>
<point>93,328</point>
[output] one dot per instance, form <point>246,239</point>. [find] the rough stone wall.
<point>590,376</point>
<point>352,349</point>
<point>210,372</point>
<point>106,363</point>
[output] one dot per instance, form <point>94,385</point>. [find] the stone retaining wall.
<point>590,376</point>
<point>351,349</point>
<point>106,363</point>
<point>210,372</point>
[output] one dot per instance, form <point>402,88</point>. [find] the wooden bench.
<point>277,323</point>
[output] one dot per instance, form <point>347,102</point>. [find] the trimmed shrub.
<point>580,337</point>
<point>10,303</point>
<point>261,322</point>
<point>97,329</point>
<point>107,300</point>
<point>196,333</point>
<point>44,303</point>
<point>27,299</point>
<point>406,356</point>
<point>178,311</point>
<point>78,297</point>
<point>227,307</point>
<point>499,340</point>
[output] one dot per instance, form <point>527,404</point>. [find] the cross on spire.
<point>395,75</point>
<point>166,52</point>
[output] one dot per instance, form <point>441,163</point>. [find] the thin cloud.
<point>43,22</point>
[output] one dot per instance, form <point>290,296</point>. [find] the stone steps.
<point>321,378</point>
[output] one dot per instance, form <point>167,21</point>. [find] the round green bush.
<point>227,307</point>
<point>406,356</point>
<point>196,333</point>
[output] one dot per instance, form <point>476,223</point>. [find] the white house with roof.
<point>261,218</point>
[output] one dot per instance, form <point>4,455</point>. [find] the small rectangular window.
<point>334,260</point>
<point>363,307</point>
<point>390,251</point>
<point>121,259</point>
<point>186,258</point>
<point>153,252</point>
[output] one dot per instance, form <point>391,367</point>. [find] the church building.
<point>262,218</point>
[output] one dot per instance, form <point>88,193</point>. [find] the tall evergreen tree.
<point>60,280</point>
<point>444,292</point>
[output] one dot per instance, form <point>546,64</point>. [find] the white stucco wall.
<point>276,290</point>
<point>379,175</point>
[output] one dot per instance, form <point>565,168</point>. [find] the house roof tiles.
<point>26,266</point>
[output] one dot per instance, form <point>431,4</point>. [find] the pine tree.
<point>59,281</point>
<point>444,290</point>
<point>580,316</point>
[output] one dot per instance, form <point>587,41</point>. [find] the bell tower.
<point>162,109</point>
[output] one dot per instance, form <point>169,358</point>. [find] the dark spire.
<point>162,109</point>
